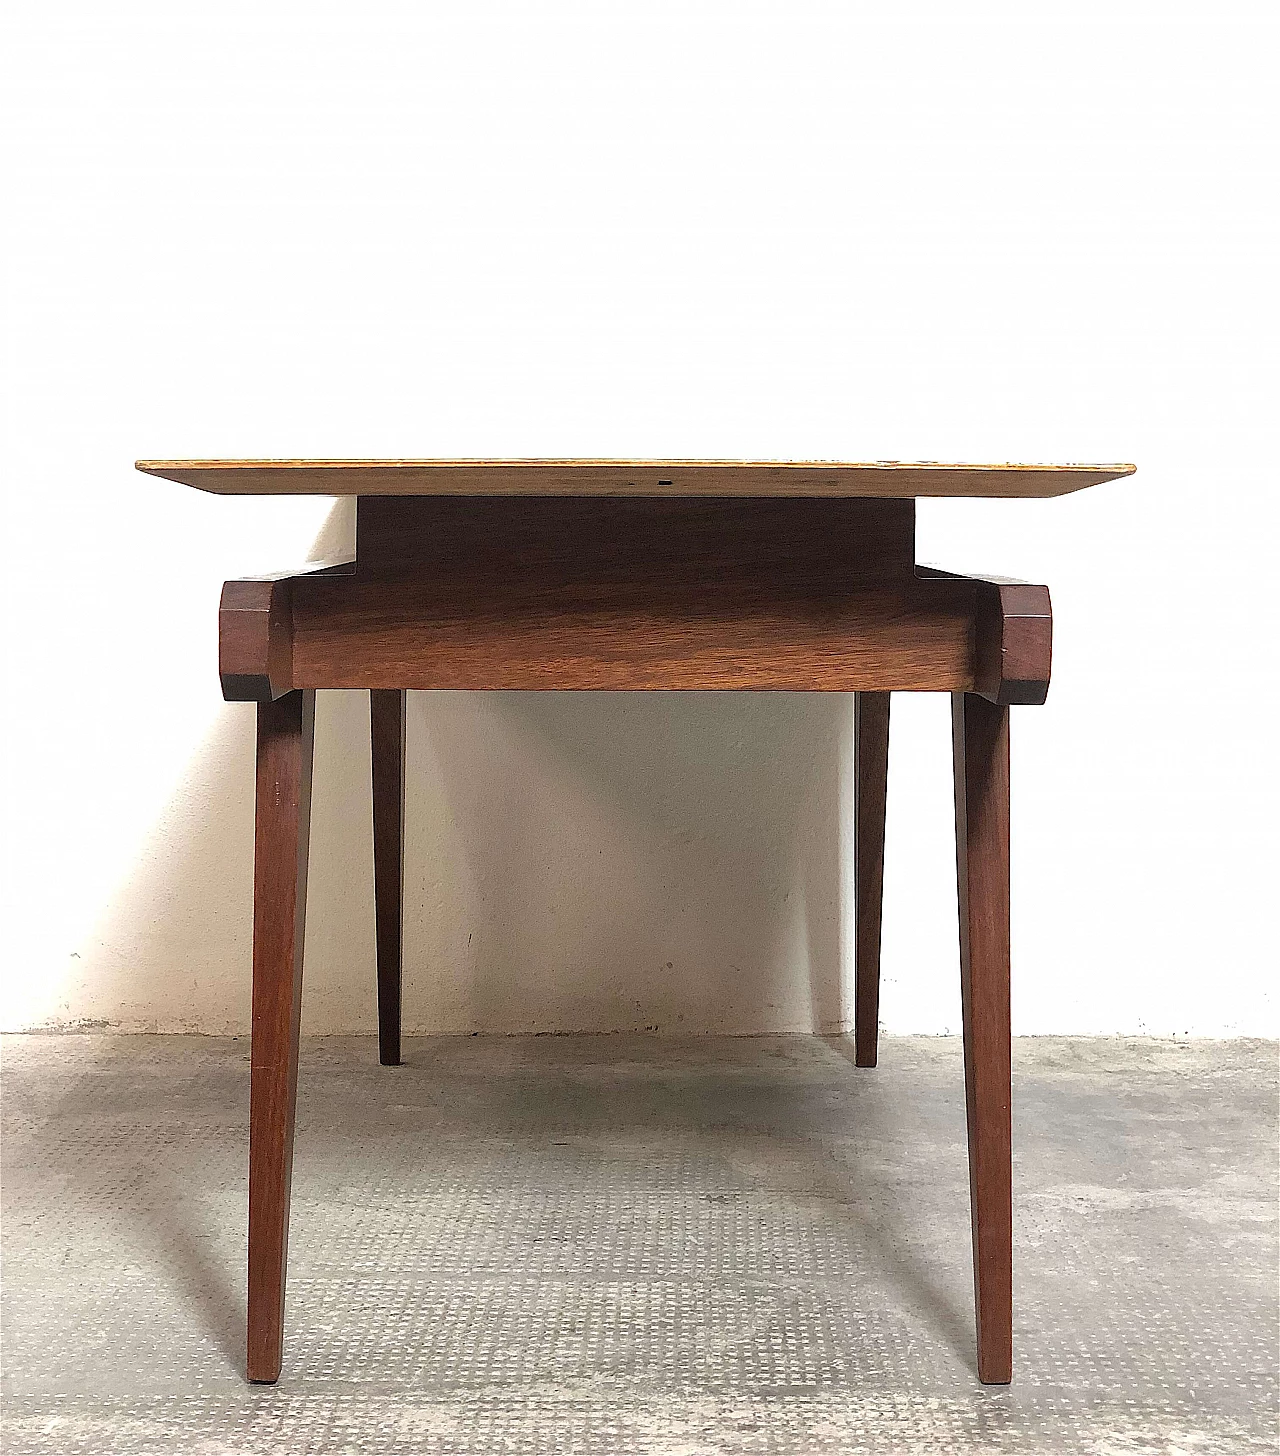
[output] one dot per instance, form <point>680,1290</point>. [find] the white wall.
<point>1029,232</point>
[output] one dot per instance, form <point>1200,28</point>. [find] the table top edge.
<point>605,477</point>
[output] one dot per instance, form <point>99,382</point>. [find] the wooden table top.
<point>629,477</point>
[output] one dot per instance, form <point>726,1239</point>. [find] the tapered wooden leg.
<point>285,731</point>
<point>870,773</point>
<point>981,742</point>
<point>387,734</point>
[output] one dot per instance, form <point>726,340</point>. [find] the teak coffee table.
<point>755,575</point>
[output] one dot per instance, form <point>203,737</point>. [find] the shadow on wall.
<point>574,861</point>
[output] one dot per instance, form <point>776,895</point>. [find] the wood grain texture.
<point>628,477</point>
<point>803,595</point>
<point>870,772</point>
<point>387,713</point>
<point>475,593</point>
<point>385,635</point>
<point>774,594</point>
<point>283,818</point>
<point>981,755</point>
<point>255,633</point>
<point>1013,637</point>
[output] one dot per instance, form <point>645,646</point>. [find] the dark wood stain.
<point>771,591</point>
<point>387,722</point>
<point>283,820</point>
<point>870,774</point>
<point>981,749</point>
<point>459,593</point>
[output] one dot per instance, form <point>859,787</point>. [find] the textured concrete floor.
<point>621,1244</point>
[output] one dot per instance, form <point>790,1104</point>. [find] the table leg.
<point>870,773</point>
<point>285,732</point>
<point>981,742</point>
<point>387,736</point>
